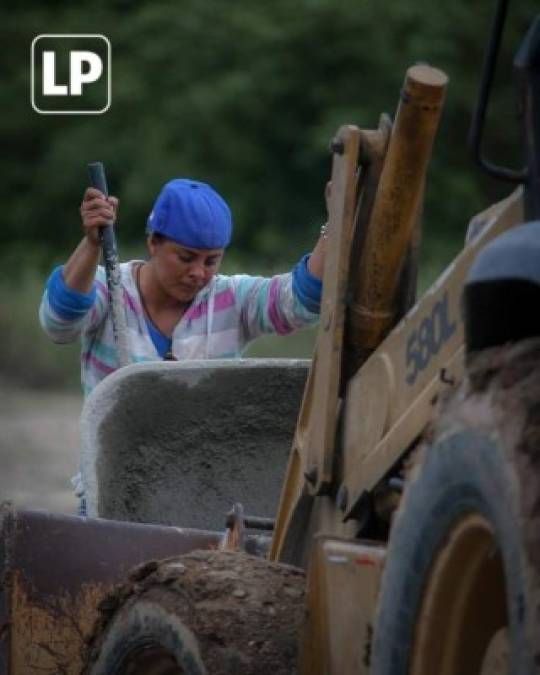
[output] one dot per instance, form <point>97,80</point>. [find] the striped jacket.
<point>223,318</point>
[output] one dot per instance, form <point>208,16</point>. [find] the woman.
<point>177,304</point>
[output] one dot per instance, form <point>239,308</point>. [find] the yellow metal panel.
<point>343,585</point>
<point>405,374</point>
<point>313,445</point>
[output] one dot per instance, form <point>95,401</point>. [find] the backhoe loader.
<point>406,536</point>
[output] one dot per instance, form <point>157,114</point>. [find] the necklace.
<point>169,356</point>
<point>141,296</point>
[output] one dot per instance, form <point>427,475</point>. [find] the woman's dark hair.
<point>157,237</point>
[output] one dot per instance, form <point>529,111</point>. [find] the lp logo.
<point>70,74</point>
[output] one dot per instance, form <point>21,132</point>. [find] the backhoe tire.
<point>460,590</point>
<point>215,613</point>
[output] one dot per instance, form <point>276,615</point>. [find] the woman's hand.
<point>327,194</point>
<point>97,211</point>
<point>316,259</point>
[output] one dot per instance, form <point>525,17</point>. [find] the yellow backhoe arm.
<point>383,243</point>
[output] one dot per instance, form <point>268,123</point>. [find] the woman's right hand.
<point>97,211</point>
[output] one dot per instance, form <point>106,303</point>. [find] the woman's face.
<point>180,270</point>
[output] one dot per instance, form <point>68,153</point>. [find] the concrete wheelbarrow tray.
<point>177,443</point>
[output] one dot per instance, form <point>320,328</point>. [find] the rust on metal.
<point>55,570</point>
<point>236,538</point>
<point>235,532</point>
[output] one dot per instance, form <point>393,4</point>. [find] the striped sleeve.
<point>269,305</point>
<point>307,287</point>
<point>64,313</point>
<point>98,312</point>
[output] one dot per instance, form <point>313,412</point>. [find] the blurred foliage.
<point>27,355</point>
<point>246,96</point>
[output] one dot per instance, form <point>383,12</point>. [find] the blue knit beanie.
<point>193,214</point>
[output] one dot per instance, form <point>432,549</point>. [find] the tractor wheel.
<point>202,613</point>
<point>460,591</point>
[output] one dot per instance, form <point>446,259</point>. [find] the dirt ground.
<point>39,441</point>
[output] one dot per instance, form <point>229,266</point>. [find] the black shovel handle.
<point>98,180</point>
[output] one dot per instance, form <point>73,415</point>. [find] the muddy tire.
<point>204,612</point>
<point>461,585</point>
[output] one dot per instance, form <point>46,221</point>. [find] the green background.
<point>246,96</point>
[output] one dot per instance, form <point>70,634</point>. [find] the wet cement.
<point>179,445</point>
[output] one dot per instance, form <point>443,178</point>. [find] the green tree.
<point>245,95</point>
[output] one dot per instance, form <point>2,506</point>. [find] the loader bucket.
<point>177,443</point>
<point>54,572</point>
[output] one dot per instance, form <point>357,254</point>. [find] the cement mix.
<point>179,443</point>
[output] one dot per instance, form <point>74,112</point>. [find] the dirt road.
<point>39,441</point>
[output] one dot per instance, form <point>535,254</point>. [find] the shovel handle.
<point>98,180</point>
